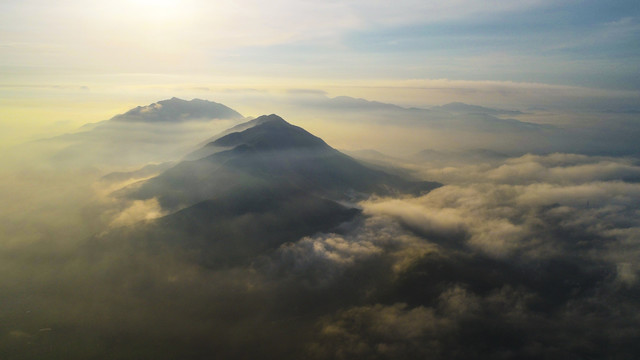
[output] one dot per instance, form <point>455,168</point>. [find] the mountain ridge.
<point>269,155</point>
<point>178,110</point>
<point>272,132</point>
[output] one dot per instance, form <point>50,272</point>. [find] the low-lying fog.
<point>529,249</point>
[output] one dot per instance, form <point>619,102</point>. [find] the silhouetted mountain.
<point>272,183</point>
<point>273,133</point>
<point>241,127</point>
<point>209,147</point>
<point>272,154</point>
<point>234,228</point>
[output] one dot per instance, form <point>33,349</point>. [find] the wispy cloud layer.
<point>567,43</point>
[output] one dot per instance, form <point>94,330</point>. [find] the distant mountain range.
<point>452,116</point>
<point>458,107</point>
<point>164,130</point>
<point>175,129</point>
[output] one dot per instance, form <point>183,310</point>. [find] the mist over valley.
<point>182,229</point>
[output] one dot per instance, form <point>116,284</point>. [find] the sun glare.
<point>158,9</point>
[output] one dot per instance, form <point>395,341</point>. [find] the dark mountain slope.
<point>273,154</point>
<point>273,133</point>
<point>213,146</point>
<point>233,229</point>
<point>273,183</point>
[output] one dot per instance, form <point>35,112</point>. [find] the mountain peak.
<point>273,118</point>
<point>178,110</point>
<point>272,132</point>
<point>271,155</point>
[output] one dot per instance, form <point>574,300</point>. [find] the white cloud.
<point>139,210</point>
<point>330,248</point>
<point>324,257</point>
<point>563,169</point>
<point>519,207</point>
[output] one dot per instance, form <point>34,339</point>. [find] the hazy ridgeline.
<point>456,232</point>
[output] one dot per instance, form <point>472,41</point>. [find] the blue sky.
<point>587,43</point>
<point>582,43</point>
<point>137,51</point>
